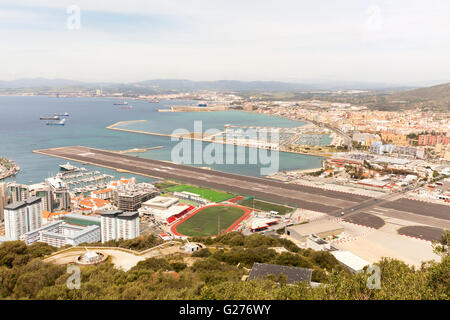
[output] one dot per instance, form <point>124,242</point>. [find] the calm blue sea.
<point>21,131</point>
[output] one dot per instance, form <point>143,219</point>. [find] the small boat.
<point>128,107</point>
<point>123,103</point>
<point>153,101</point>
<point>65,114</point>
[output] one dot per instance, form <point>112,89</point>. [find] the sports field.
<point>204,223</point>
<point>209,194</point>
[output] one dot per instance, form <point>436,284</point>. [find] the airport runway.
<point>309,198</point>
<point>306,197</point>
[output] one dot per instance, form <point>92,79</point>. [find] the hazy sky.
<point>396,42</point>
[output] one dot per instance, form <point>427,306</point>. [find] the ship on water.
<point>65,114</point>
<point>153,101</point>
<point>67,167</point>
<point>127,107</point>
<point>123,103</point>
<point>55,117</point>
<point>59,123</point>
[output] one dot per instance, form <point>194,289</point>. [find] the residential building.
<point>117,224</point>
<point>18,192</point>
<point>22,217</point>
<point>432,140</point>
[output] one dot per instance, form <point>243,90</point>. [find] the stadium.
<point>207,220</point>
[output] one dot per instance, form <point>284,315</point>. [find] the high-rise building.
<point>22,217</point>
<point>59,196</point>
<point>18,192</point>
<point>116,224</point>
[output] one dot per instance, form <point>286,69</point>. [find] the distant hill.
<point>433,98</point>
<point>439,92</point>
<point>189,85</point>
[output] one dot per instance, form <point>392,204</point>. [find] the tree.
<point>441,247</point>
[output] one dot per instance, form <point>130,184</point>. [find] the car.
<point>342,213</point>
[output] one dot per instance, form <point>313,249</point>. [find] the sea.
<point>21,132</point>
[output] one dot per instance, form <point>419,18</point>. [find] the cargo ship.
<point>55,117</point>
<point>65,114</point>
<point>59,123</point>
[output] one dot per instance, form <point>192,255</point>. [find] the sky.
<point>396,42</point>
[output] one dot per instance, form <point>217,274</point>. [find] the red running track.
<point>247,212</point>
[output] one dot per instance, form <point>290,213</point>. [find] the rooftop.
<point>293,274</point>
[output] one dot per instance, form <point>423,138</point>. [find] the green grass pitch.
<point>209,194</point>
<point>205,222</point>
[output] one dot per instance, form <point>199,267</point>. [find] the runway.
<point>306,197</point>
<point>300,196</point>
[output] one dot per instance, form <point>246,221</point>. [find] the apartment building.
<point>117,224</point>
<point>22,217</point>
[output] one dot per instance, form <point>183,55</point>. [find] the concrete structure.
<point>22,217</point>
<point>129,197</point>
<point>116,224</point>
<point>321,228</point>
<point>349,260</point>
<point>59,234</point>
<point>3,199</point>
<point>159,203</point>
<point>190,196</point>
<point>191,247</point>
<point>316,243</point>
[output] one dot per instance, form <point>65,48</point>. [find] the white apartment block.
<point>59,234</point>
<point>116,224</point>
<point>22,217</point>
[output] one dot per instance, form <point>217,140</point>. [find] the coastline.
<point>203,139</point>
<point>8,172</point>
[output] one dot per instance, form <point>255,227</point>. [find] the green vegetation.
<point>265,206</point>
<point>205,223</point>
<point>165,184</point>
<point>140,243</point>
<point>209,194</point>
<point>217,274</point>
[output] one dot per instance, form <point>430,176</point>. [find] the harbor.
<point>81,180</point>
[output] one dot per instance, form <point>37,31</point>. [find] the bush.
<point>202,253</point>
